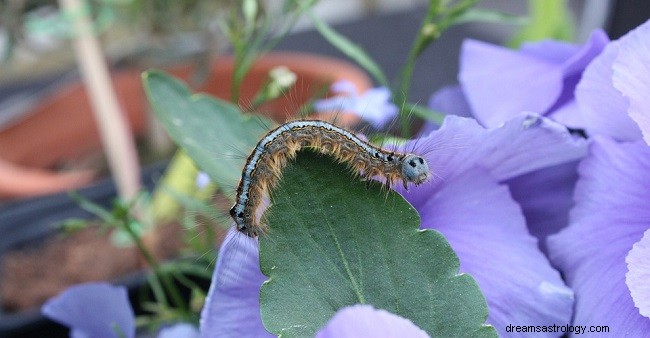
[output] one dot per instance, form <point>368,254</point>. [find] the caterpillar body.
<point>264,165</point>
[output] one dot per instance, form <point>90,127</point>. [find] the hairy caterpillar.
<point>264,165</point>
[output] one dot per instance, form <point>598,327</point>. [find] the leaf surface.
<point>333,243</point>
<point>213,132</point>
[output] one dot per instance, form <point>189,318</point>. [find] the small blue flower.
<point>93,310</point>
<point>202,179</point>
<point>373,106</point>
<point>101,310</point>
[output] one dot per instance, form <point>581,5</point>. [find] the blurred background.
<point>67,64</point>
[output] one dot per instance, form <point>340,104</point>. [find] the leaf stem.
<point>426,34</point>
<point>177,299</point>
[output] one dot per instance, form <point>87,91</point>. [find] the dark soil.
<point>31,275</point>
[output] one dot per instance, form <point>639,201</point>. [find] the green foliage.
<point>214,133</point>
<point>490,16</point>
<point>333,243</point>
<point>350,49</point>
<point>550,19</point>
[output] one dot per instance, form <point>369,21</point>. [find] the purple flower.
<point>610,216</point>
<point>475,211</point>
<point>631,72</point>
<point>545,195</point>
<point>603,253</point>
<point>500,83</point>
<point>232,308</point>
<point>468,204</point>
<point>93,310</point>
<point>366,321</point>
<point>181,330</point>
<point>202,179</point>
<point>373,106</point>
<point>101,310</point>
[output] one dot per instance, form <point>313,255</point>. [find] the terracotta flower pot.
<point>62,128</point>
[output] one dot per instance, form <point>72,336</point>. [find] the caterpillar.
<point>264,165</point>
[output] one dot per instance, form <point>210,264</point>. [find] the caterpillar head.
<point>415,169</point>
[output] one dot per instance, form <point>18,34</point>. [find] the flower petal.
<point>611,214</point>
<point>541,77</point>
<point>487,230</point>
<point>93,310</point>
<point>524,144</point>
<point>638,274</point>
<point>631,75</point>
<point>344,87</point>
<point>181,330</point>
<point>569,115</point>
<point>553,51</point>
<point>449,100</point>
<point>603,108</point>
<point>524,82</point>
<point>366,321</point>
<point>232,308</point>
<point>587,52</point>
<point>546,197</point>
<point>374,105</point>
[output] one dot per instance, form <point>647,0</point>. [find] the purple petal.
<point>202,179</point>
<point>638,274</point>
<point>232,308</point>
<point>344,87</point>
<point>632,75</point>
<point>546,197</point>
<point>568,115</point>
<point>93,310</point>
<point>603,108</point>
<point>366,321</point>
<point>524,144</point>
<point>375,107</point>
<point>449,100</point>
<point>541,77</point>
<point>500,83</point>
<point>611,214</point>
<point>487,230</point>
<point>553,51</point>
<point>577,63</point>
<point>182,330</point>
<point>571,57</point>
<point>336,103</point>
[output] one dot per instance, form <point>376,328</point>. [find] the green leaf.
<point>350,49</point>
<point>105,215</point>
<point>550,19</point>
<point>214,133</point>
<point>334,243</point>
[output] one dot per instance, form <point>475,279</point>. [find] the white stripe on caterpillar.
<point>264,165</point>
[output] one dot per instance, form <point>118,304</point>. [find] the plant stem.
<point>439,17</point>
<point>426,34</point>
<point>174,293</point>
